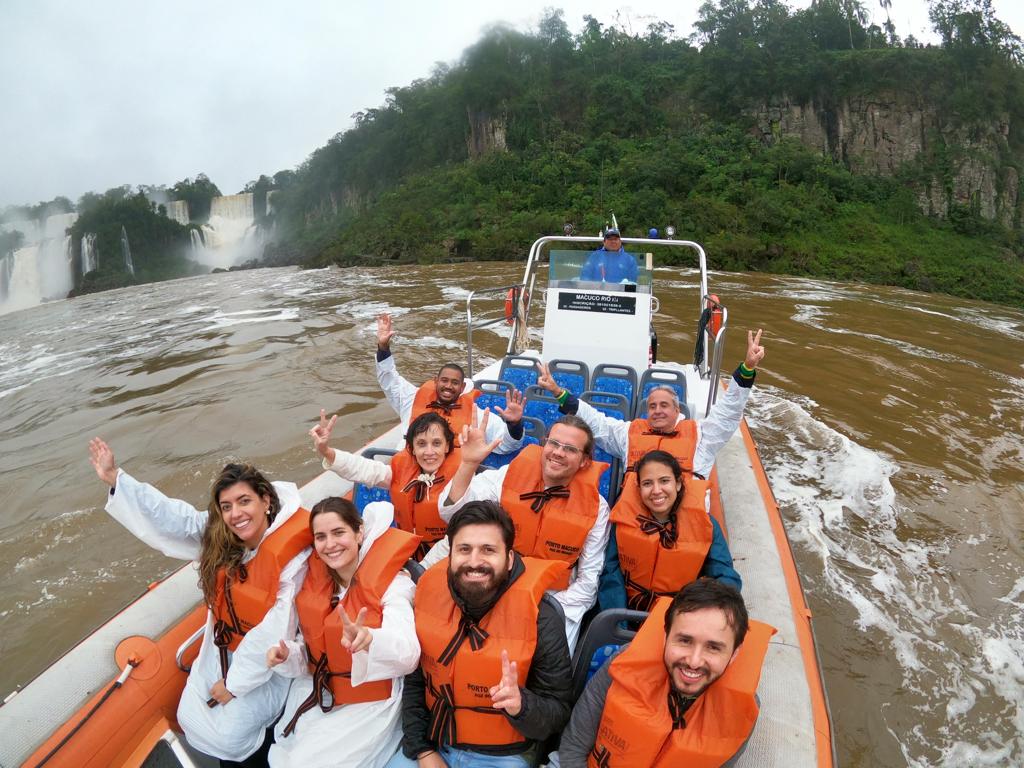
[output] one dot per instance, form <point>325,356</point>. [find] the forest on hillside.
<point>531,130</point>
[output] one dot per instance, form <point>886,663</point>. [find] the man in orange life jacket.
<point>694,446</point>
<point>551,493</point>
<point>681,693</point>
<point>495,675</point>
<point>444,395</point>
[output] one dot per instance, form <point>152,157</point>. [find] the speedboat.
<point>111,700</point>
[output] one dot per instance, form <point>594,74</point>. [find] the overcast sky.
<point>93,95</point>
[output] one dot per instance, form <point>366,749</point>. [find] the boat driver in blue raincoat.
<point>610,263</point>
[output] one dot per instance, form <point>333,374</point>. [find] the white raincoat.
<point>235,730</point>
<point>354,735</point>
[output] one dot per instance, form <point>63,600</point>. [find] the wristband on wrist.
<point>746,373</point>
<point>563,397</point>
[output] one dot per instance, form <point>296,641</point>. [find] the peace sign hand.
<point>546,380</point>
<point>506,694</point>
<point>475,447</point>
<point>755,352</point>
<point>322,433</point>
<point>513,410</point>
<point>356,637</point>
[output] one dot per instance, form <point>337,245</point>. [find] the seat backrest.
<point>620,379</point>
<point>572,375</point>
<point>611,404</point>
<point>533,432</point>
<point>492,392</point>
<point>364,494</point>
<point>541,404</point>
<point>519,370</point>
<point>656,377</point>
<point>600,640</point>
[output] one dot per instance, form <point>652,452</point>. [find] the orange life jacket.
<point>636,729</point>
<point>559,529</point>
<point>419,517</point>
<point>322,627</point>
<point>458,414</point>
<point>242,601</point>
<point>461,660</point>
<point>682,445</point>
<point>652,565</point>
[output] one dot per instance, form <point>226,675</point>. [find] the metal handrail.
<point>716,365</point>
<point>479,324</point>
<point>534,258</point>
<point>185,646</point>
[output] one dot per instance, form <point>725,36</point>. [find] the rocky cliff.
<point>889,134</point>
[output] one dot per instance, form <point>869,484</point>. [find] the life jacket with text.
<point>457,414</point>
<point>461,659</point>
<point>415,502</point>
<point>658,559</point>
<point>243,599</point>
<point>330,663</point>
<point>680,441</point>
<point>638,729</point>
<point>551,523</point>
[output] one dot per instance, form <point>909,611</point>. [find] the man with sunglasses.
<point>551,493</point>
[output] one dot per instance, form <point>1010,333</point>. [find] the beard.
<point>477,594</point>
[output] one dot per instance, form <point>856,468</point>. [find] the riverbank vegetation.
<point>530,131</point>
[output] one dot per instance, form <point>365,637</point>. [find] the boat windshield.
<point>594,269</point>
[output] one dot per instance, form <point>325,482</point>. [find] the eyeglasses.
<point>569,450</point>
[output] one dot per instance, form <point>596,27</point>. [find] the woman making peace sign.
<point>358,641</point>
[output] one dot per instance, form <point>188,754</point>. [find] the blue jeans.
<point>460,758</point>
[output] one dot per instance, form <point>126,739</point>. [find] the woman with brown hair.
<point>415,476</point>
<point>358,641</point>
<point>251,545</point>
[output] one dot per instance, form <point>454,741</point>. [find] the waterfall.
<point>41,270</point>
<point>231,235</point>
<point>90,258</point>
<point>177,210</point>
<point>126,251</point>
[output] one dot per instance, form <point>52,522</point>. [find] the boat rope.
<point>132,663</point>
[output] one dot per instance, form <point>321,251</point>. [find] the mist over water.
<point>890,424</point>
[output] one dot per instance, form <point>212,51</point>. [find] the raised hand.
<point>355,637</point>
<point>506,694</point>
<point>102,459</point>
<point>475,447</point>
<point>385,331</point>
<point>546,380</point>
<point>513,410</point>
<point>277,654</point>
<point>321,434</point>
<point>755,352</point>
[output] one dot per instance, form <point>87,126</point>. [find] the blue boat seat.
<point>364,494</point>
<point>611,404</point>
<point>519,370</point>
<point>657,377</point>
<point>533,433</point>
<point>620,379</point>
<point>541,404</point>
<point>602,637</point>
<point>492,392</point>
<point>572,375</point>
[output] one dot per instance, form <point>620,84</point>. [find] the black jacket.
<point>547,697</point>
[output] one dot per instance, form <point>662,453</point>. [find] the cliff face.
<point>486,134</point>
<point>885,133</point>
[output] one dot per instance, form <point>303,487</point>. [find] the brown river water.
<point>890,423</point>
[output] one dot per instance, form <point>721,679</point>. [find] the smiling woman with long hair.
<point>415,476</point>
<point>252,545</point>
<point>662,537</point>
<point>358,641</point>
